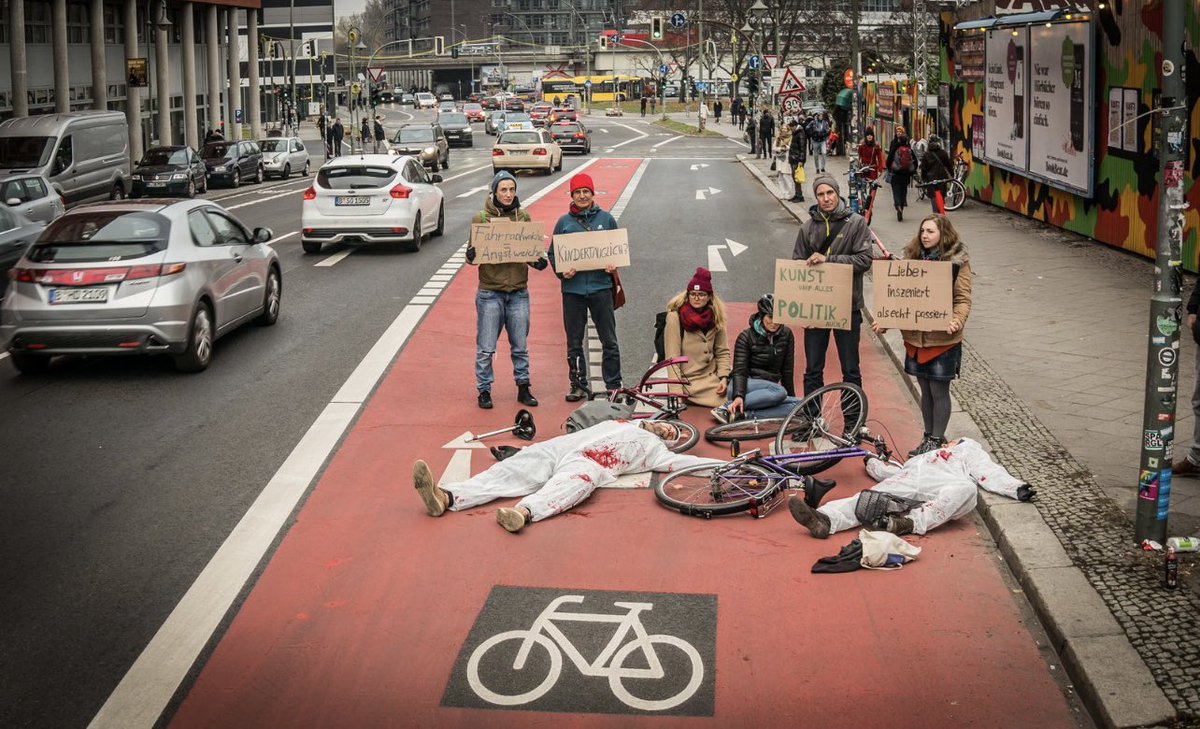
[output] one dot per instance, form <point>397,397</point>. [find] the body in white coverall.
<point>944,480</point>
<point>556,474</point>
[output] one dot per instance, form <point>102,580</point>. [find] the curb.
<point>1109,676</point>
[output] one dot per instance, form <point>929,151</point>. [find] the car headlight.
<point>179,176</point>
<point>137,177</point>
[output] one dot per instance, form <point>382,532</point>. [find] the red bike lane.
<point>361,615</point>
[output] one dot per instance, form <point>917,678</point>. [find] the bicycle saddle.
<point>815,490</point>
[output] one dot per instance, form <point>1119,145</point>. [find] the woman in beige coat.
<point>696,329</point>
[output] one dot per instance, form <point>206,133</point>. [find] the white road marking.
<point>473,190</point>
<point>619,206</point>
<point>736,248</point>
<point>667,141</point>
<point>465,173</point>
<point>263,199</point>
<point>3,355</point>
<point>715,262</point>
<point>335,258</point>
<point>698,166</point>
<point>700,194</point>
<point>278,238</point>
<point>640,135</point>
<point>139,699</point>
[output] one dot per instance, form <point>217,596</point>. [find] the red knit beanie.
<point>701,281</point>
<point>581,181</point>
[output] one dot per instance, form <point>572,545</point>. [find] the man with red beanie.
<point>587,292</point>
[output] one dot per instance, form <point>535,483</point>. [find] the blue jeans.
<point>766,399</point>
<point>493,310</point>
<point>819,153</point>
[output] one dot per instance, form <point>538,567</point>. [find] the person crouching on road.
<point>833,234</point>
<point>762,384</point>
<point>696,329</point>
<point>587,292</point>
<point>934,357</point>
<point>559,473</point>
<point>502,300</point>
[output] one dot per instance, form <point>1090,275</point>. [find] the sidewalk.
<point>1047,305</point>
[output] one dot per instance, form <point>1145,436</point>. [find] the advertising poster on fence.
<point>1004,98</point>
<point>1060,142</point>
<point>592,250</point>
<point>912,295</point>
<point>507,242</point>
<point>885,100</point>
<point>813,296</point>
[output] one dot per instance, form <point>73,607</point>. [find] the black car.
<point>233,162</point>
<point>572,137</point>
<point>457,128</point>
<point>426,142</point>
<point>175,170</point>
<point>513,103</point>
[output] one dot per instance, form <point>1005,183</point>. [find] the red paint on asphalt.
<point>358,617</point>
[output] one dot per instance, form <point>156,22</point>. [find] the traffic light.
<point>374,96</point>
<point>656,28</point>
<point>752,85</point>
<point>603,42</point>
<point>312,48</point>
<point>439,45</point>
<point>454,51</point>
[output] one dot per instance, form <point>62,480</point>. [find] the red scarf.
<point>696,320</point>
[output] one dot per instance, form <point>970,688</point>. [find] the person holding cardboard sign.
<point>934,357</point>
<point>587,292</point>
<point>502,300</point>
<point>834,234</point>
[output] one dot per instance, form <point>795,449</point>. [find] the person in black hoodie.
<point>762,384</point>
<point>766,133</point>
<point>797,155</point>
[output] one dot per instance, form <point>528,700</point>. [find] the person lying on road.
<point>942,481</point>
<point>559,473</point>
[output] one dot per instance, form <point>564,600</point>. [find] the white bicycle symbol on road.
<point>609,663</point>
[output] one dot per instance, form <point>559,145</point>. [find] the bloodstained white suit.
<point>944,479</point>
<point>556,474</point>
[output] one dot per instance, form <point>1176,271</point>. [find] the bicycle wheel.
<point>709,491</point>
<point>752,429</point>
<point>688,435</point>
<point>821,422</point>
<point>956,193</point>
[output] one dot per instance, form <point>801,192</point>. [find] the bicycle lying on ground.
<point>653,402</point>
<point>824,428</point>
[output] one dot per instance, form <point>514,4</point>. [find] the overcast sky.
<point>342,8</point>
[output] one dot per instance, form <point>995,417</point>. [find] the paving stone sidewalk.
<point>1052,377</point>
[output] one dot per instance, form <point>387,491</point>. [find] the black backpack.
<point>660,327</point>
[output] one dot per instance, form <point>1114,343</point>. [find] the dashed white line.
<point>464,174</point>
<point>278,238</point>
<point>666,141</point>
<point>335,258</point>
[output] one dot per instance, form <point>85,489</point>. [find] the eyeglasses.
<point>698,294</point>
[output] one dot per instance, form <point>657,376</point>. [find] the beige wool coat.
<point>709,359</point>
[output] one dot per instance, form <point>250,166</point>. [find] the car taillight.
<point>310,194</point>
<point>496,152</point>
<point>580,136</point>
<point>400,192</point>
<point>93,276</point>
<point>539,151</point>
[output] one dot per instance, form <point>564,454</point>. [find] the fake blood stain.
<point>606,456</point>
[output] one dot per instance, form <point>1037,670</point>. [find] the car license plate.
<point>93,295</point>
<point>352,200</point>
<point>156,184</point>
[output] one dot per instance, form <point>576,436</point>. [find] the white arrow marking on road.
<point>473,190</point>
<point>464,441</point>
<point>715,262</point>
<point>711,191</point>
<point>604,129</point>
<point>699,166</point>
<point>459,467</point>
<point>735,247</point>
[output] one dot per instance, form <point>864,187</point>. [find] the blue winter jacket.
<point>583,282</point>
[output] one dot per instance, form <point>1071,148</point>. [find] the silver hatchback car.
<point>147,276</point>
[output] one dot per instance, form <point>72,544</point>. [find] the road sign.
<point>701,86</point>
<point>678,20</point>
<point>673,66</point>
<point>753,63</point>
<point>355,89</point>
<point>790,104</point>
<point>237,115</point>
<point>791,83</point>
<point>770,61</point>
<point>664,69</point>
<point>588,83</point>
<point>376,74</point>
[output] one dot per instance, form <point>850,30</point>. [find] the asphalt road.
<point>122,477</point>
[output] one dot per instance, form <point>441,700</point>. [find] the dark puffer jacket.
<point>770,358</point>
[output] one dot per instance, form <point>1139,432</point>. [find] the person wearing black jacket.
<point>797,156</point>
<point>935,165</point>
<point>766,134</point>
<point>762,383</point>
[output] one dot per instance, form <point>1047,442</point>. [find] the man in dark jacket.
<point>587,292</point>
<point>833,234</point>
<point>766,133</point>
<point>797,155</point>
<point>935,165</point>
<point>762,383</point>
<point>336,134</point>
<point>380,134</point>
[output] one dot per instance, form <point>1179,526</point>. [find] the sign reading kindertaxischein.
<point>818,296</point>
<point>507,241</point>
<point>593,250</point>
<point>913,295</point>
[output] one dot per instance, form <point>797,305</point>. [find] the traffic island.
<point>686,129</point>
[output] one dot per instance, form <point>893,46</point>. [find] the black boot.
<point>524,396</point>
<point>485,399</point>
<point>504,451</point>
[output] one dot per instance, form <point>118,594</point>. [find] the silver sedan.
<point>147,276</point>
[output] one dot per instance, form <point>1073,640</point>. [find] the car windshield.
<point>274,145</point>
<point>101,235</point>
<point>220,149</point>
<point>24,151</point>
<point>357,177</point>
<point>160,157</point>
<point>519,138</point>
<point>516,117</point>
<point>408,136</point>
<point>453,118</point>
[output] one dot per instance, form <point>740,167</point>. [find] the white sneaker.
<point>721,413</point>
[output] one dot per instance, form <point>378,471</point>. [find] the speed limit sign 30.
<point>790,104</point>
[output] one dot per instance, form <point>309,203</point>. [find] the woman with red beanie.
<point>587,292</point>
<point>696,329</point>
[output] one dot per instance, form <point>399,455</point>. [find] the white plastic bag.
<point>879,548</point>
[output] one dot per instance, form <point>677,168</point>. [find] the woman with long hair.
<point>696,329</point>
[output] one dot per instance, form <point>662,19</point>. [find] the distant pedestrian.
<point>935,165</point>
<point>901,165</point>
<point>380,134</point>
<point>337,133</point>
<point>365,132</point>
<point>766,134</point>
<point>818,135</point>
<point>644,102</point>
<point>323,125</point>
<point>751,135</point>
<point>588,292</point>
<point>870,157</point>
<point>717,109</point>
<point>797,156</point>
<point>741,114</point>
<point>783,168</point>
<point>653,103</point>
<point>934,357</point>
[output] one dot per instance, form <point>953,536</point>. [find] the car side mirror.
<point>15,201</point>
<point>434,178</point>
<point>263,235</point>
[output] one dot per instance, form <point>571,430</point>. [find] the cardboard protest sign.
<point>814,296</point>
<point>507,241</point>
<point>913,295</point>
<point>592,250</point>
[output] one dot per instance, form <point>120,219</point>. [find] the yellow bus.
<point>628,88</point>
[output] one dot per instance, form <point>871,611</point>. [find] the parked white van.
<point>84,154</point>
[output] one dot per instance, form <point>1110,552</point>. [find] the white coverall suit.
<point>556,474</point>
<point>944,479</point>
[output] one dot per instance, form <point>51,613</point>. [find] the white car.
<point>526,149</point>
<point>372,198</point>
<point>426,100</point>
<point>283,155</point>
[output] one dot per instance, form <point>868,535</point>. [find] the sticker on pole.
<point>791,83</point>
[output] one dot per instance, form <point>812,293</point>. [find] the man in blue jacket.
<point>587,292</point>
